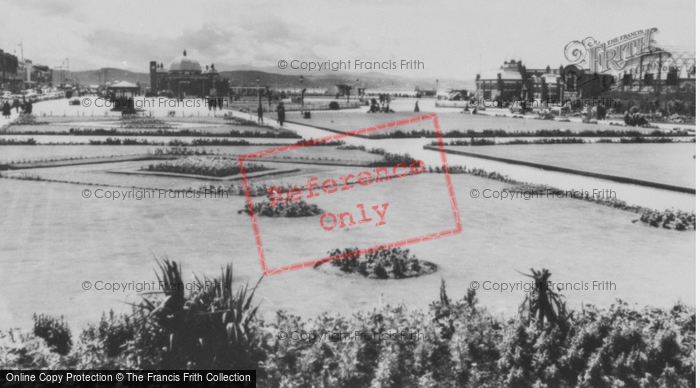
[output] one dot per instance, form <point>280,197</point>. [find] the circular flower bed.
<point>395,263</point>
<point>293,209</point>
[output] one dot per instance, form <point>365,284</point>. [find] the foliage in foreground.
<point>452,344</point>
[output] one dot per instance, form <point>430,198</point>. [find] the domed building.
<point>185,78</point>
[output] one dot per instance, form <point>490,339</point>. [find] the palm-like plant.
<point>209,327</point>
<point>542,303</point>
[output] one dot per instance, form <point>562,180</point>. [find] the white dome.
<point>184,63</point>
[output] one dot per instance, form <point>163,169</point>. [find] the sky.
<point>453,39</point>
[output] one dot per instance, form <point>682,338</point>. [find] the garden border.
<point>358,132</point>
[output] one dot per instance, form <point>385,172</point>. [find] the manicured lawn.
<point>39,152</point>
<point>53,239</point>
<point>664,163</point>
<point>218,128</point>
<point>345,121</point>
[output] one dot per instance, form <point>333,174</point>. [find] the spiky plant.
<point>210,326</point>
<point>542,303</point>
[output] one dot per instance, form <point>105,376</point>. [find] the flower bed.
<point>207,166</point>
<point>178,150</point>
<point>27,119</point>
<point>138,122</point>
<point>287,210</point>
<point>485,142</point>
<point>538,133</point>
<point>29,141</point>
<point>669,219</point>
<point>282,134</point>
<point>395,263</point>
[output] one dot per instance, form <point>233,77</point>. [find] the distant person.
<point>416,109</point>
<point>466,108</point>
<point>280,113</point>
<point>602,112</point>
<point>628,118</point>
<point>260,114</point>
<point>16,104</point>
<point>640,121</point>
<point>6,110</point>
<point>28,107</point>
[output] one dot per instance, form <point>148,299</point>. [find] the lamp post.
<point>301,83</point>
<point>257,80</point>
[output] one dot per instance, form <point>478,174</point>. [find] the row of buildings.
<point>17,74</point>
<point>671,76</point>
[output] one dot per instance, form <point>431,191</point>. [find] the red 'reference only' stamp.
<point>329,221</point>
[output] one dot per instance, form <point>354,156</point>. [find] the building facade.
<point>185,78</point>
<point>663,76</point>
<point>10,78</point>
<point>513,81</point>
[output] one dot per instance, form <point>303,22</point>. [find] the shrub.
<point>111,334</point>
<point>55,332</point>
<point>380,272</point>
<point>333,105</point>
<point>456,343</point>
<point>211,326</point>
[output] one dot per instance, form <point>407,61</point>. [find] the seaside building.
<point>185,77</point>
<point>10,77</point>
<point>514,81</point>
<point>666,74</point>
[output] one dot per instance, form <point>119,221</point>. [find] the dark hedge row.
<point>454,343</point>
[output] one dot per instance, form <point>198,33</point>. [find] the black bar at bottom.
<point>126,378</point>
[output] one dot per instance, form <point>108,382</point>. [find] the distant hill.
<point>371,80</point>
<point>111,75</point>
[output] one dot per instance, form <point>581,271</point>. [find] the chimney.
<point>184,53</point>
